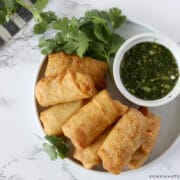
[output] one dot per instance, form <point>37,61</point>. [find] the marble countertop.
<point>21,155</point>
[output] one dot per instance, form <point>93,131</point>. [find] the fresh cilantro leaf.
<point>114,44</point>
<point>59,37</point>
<point>73,25</point>
<point>116,17</point>
<point>61,146</point>
<point>7,8</point>
<point>35,12</point>
<point>98,32</point>
<point>83,43</point>
<point>2,17</point>
<point>9,4</point>
<point>61,24</point>
<point>70,47</point>
<point>92,13</point>
<point>40,28</point>
<point>47,18</point>
<point>47,45</point>
<point>40,4</point>
<point>50,149</point>
<point>97,50</point>
<point>104,15</point>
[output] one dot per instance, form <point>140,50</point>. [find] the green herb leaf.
<point>47,18</point>
<point>83,43</point>
<point>62,148</point>
<point>61,24</point>
<point>97,50</point>
<point>92,13</point>
<point>9,4</point>
<point>2,17</point>
<point>70,47</point>
<point>40,28</point>
<point>116,17</point>
<point>40,4</point>
<point>92,35</point>
<point>98,32</point>
<point>51,150</point>
<point>114,44</point>
<point>47,45</point>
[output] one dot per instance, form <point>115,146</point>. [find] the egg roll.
<point>92,119</point>
<point>96,69</point>
<point>62,88</point>
<point>54,117</point>
<point>123,140</point>
<point>89,156</point>
<point>140,156</point>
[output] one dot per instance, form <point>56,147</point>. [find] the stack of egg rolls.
<point>68,84</point>
<point>103,130</point>
<point>128,143</point>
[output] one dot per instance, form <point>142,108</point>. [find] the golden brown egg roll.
<point>89,156</point>
<point>140,156</point>
<point>66,87</point>
<point>96,69</point>
<point>123,140</point>
<point>92,119</point>
<point>54,117</point>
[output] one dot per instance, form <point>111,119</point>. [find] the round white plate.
<point>170,124</point>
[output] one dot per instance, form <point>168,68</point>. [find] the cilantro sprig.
<point>57,147</point>
<point>92,35</point>
<point>43,19</point>
<point>7,8</point>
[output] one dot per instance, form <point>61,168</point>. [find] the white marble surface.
<point>21,156</point>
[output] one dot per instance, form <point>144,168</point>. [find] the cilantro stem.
<point>34,11</point>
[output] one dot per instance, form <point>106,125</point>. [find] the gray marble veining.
<point>71,4</point>
<point>65,168</point>
<point>6,103</point>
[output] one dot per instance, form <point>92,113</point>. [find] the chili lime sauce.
<point>149,71</point>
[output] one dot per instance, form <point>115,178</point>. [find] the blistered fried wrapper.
<point>123,140</point>
<point>96,69</point>
<point>66,87</point>
<point>54,117</point>
<point>89,156</point>
<point>92,119</point>
<point>140,156</point>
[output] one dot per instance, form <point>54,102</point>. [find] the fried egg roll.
<point>123,140</point>
<point>151,135</point>
<point>54,117</point>
<point>89,156</point>
<point>92,119</point>
<point>66,87</point>
<point>96,69</point>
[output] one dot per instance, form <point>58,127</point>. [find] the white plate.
<point>170,124</point>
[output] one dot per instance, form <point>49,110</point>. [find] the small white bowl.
<point>146,37</point>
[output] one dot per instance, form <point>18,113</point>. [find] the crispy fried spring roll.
<point>66,87</point>
<point>92,119</point>
<point>123,140</point>
<point>89,156</point>
<point>59,62</point>
<point>54,117</point>
<point>151,134</point>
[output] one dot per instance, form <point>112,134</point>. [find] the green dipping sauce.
<point>149,71</point>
